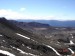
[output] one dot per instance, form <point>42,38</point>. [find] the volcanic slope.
<point>20,42</point>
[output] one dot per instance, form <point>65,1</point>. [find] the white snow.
<point>22,36</point>
<point>19,50</point>
<point>3,40</point>
<point>71,50</point>
<point>71,42</point>
<point>1,35</point>
<point>34,40</point>
<point>23,45</point>
<point>6,53</point>
<point>72,35</point>
<point>28,47</point>
<point>54,50</point>
<point>24,52</point>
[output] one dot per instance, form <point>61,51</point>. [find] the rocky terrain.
<point>35,39</point>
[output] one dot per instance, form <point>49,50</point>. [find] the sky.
<point>38,9</point>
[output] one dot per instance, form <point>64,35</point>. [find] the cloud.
<point>10,14</point>
<point>22,9</point>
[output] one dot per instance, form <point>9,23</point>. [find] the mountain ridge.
<point>56,23</point>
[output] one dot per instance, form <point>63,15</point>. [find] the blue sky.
<point>38,9</point>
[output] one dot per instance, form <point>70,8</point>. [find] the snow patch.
<point>1,35</point>
<point>23,45</point>
<point>24,52</point>
<point>71,42</point>
<point>71,50</point>
<point>22,36</point>
<point>53,50</point>
<point>6,53</point>
<point>28,47</point>
<point>72,35</point>
<point>34,40</point>
<point>3,40</point>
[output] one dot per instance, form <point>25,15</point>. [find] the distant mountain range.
<point>56,23</point>
<point>30,24</point>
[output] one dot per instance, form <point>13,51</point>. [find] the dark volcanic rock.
<point>2,20</point>
<point>2,54</point>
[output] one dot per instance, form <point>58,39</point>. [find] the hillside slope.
<point>22,42</point>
